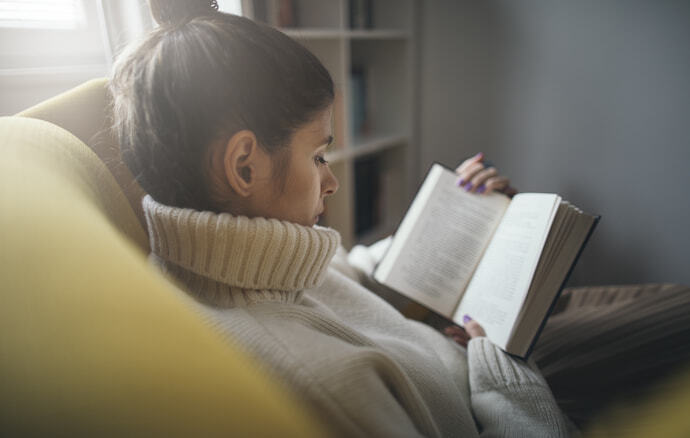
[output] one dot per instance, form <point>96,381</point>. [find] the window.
<point>42,14</point>
<point>35,34</point>
<point>47,46</point>
<point>230,6</point>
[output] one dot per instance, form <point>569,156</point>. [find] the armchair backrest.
<point>85,112</point>
<point>93,340</point>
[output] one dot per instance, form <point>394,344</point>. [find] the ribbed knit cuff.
<point>491,368</point>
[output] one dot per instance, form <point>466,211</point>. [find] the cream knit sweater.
<point>365,369</point>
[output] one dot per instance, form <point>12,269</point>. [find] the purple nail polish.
<point>468,187</point>
<point>481,189</point>
<point>466,319</point>
<point>460,183</point>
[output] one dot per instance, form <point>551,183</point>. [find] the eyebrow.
<point>326,141</point>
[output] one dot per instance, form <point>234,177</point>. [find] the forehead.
<point>317,130</point>
<point>321,121</point>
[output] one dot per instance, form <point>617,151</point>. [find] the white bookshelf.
<point>315,33</point>
<point>384,52</point>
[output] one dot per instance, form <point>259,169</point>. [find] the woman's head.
<point>208,109</point>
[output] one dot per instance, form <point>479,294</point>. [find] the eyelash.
<point>320,160</point>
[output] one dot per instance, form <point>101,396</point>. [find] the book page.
<point>440,241</point>
<point>498,288</point>
<point>541,297</point>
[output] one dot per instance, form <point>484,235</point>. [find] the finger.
<point>461,336</point>
<point>497,183</point>
<point>510,191</point>
<point>470,172</point>
<point>480,179</point>
<point>468,162</point>
<point>450,330</point>
<point>457,334</point>
<point>454,330</point>
<point>461,341</point>
<point>502,184</point>
<point>473,328</point>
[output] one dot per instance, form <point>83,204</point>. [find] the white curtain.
<point>122,21</point>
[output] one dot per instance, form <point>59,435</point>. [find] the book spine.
<point>367,171</point>
<point>287,13</point>
<point>361,14</point>
<point>358,103</point>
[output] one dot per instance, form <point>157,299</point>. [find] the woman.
<point>225,123</point>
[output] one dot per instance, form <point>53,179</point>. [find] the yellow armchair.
<point>93,340</point>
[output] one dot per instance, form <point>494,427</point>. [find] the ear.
<point>242,161</point>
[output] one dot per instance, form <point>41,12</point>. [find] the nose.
<point>330,184</point>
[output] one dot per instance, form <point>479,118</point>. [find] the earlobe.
<point>239,162</point>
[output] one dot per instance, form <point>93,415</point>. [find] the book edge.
<point>530,349</point>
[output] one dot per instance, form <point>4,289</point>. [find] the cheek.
<point>307,178</point>
<point>304,189</point>
<point>312,186</point>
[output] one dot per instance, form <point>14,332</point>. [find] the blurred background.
<point>584,98</point>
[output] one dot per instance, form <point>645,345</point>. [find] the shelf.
<point>382,34</point>
<point>312,33</point>
<point>369,145</point>
<point>373,169</point>
<point>357,34</point>
<point>366,146</point>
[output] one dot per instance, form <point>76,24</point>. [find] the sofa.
<point>94,341</point>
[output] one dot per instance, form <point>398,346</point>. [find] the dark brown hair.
<point>202,76</point>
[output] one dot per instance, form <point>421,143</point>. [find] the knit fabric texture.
<point>361,366</point>
<point>231,261</point>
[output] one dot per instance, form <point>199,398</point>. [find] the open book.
<point>501,261</point>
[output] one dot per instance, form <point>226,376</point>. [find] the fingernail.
<point>479,154</point>
<point>481,188</point>
<point>460,183</point>
<point>466,319</point>
<point>468,187</point>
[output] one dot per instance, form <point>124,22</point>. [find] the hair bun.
<point>176,11</point>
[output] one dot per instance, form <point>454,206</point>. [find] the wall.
<point>585,98</point>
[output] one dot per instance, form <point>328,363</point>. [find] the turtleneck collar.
<point>231,261</point>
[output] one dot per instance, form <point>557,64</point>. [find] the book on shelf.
<point>276,13</point>
<point>359,107</point>
<point>367,174</point>
<point>361,14</point>
<point>501,261</point>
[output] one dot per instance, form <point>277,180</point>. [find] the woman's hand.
<point>477,177</point>
<point>463,335</point>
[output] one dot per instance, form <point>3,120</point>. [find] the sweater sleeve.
<point>509,397</point>
<point>364,258</point>
<point>340,263</point>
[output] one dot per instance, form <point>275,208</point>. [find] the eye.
<point>320,160</point>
